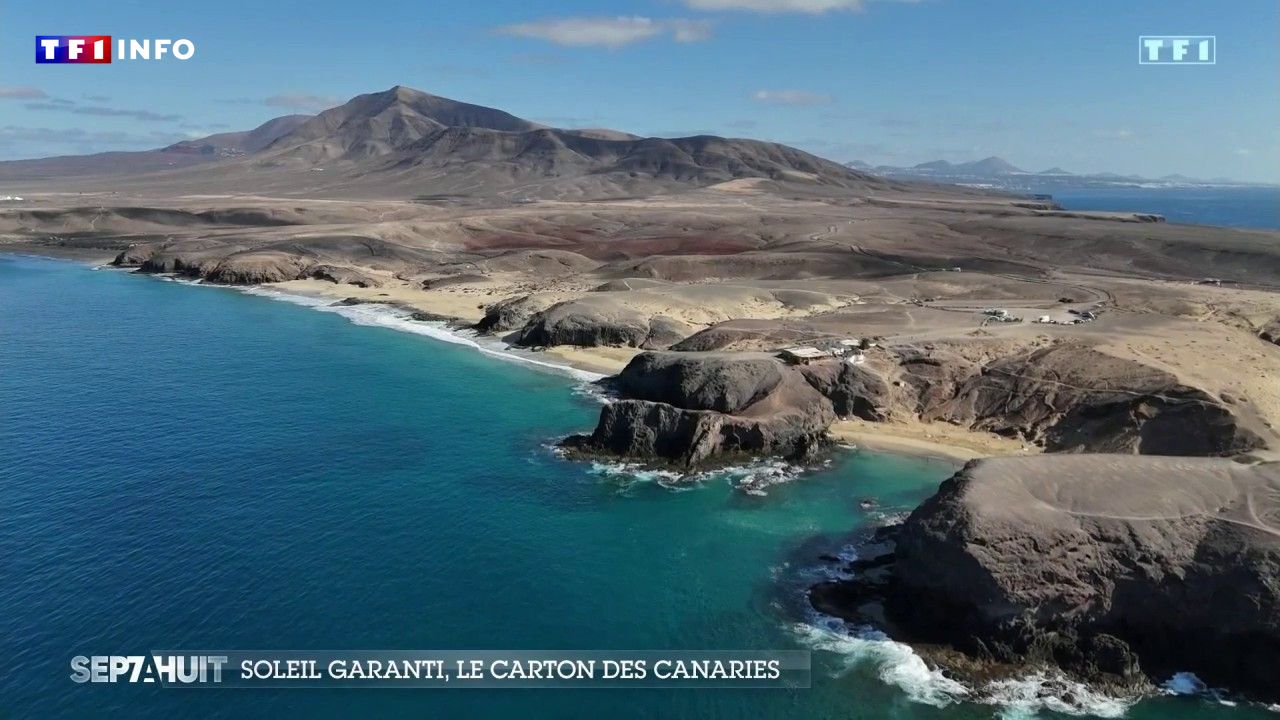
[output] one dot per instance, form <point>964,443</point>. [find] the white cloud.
<point>1243,152</point>
<point>796,98</point>
<point>17,141</point>
<point>1121,134</point>
<point>302,101</point>
<point>812,7</point>
<point>21,92</point>
<point>67,106</point>
<point>609,32</point>
<point>690,30</point>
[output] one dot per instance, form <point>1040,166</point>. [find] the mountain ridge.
<point>405,142</point>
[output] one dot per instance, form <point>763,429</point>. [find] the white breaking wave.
<point>897,664</point>
<point>395,318</point>
<point>594,392</point>
<point>1024,698</point>
<point>893,662</point>
<point>757,476</point>
<point>753,478</point>
<point>1190,684</point>
<point>638,473</point>
<point>1185,683</point>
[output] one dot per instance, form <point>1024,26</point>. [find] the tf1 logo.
<point>97,49</point>
<point>1177,50</point>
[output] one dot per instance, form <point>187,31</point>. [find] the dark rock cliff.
<point>691,409</point>
<point>1117,569</point>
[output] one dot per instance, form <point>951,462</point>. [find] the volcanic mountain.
<point>235,143</point>
<point>182,154</point>
<point>406,143</point>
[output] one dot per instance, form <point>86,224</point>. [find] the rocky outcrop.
<point>1066,397</point>
<point>700,381</point>
<point>1072,398</point>
<point>192,258</point>
<point>854,390</point>
<point>259,266</point>
<point>512,313</point>
<point>691,410</point>
<point>217,262</point>
<point>1117,569</point>
<point>1271,332</point>
<point>345,276</point>
<point>584,323</point>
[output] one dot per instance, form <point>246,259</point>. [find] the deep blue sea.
<point>198,468</point>
<point>1248,207</point>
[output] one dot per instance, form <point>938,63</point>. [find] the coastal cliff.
<point>689,409</point>
<point>693,407</point>
<point>1118,570</point>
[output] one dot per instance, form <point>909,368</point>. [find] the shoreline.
<point>458,307</point>
<point>892,437</point>
<point>938,441</point>
<point>389,308</point>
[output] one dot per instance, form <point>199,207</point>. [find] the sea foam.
<point>395,318</point>
<point>893,662</point>
<point>897,664</point>
<point>1026,697</point>
<point>752,478</point>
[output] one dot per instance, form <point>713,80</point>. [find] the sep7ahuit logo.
<point>99,49</point>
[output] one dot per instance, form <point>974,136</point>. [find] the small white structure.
<point>856,358</point>
<point>803,354</point>
<point>1045,319</point>
<point>857,343</point>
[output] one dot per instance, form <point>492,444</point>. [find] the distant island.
<point>998,173</point>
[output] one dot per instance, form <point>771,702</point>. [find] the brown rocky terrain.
<point>1121,570</point>
<point>684,265</point>
<point>690,408</point>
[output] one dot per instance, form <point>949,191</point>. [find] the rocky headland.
<point>1120,570</point>
<point>692,408</point>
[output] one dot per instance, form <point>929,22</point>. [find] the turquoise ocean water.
<point>198,468</point>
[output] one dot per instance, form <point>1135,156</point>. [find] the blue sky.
<point>885,81</point>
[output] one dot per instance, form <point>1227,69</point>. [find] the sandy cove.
<point>466,304</point>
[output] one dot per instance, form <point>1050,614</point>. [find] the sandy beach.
<point>465,304</point>
<point>936,440</point>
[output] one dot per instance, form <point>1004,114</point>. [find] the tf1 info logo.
<point>1177,50</point>
<point>97,49</point>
